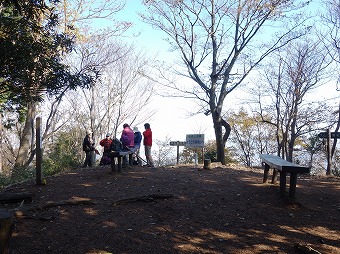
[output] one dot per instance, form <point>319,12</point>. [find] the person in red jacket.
<point>147,134</point>
<point>106,143</point>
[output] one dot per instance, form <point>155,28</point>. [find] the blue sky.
<point>172,119</point>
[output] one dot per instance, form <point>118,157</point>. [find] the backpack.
<point>116,145</point>
<point>105,160</point>
<point>138,138</point>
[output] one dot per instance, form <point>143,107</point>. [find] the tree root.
<point>305,249</point>
<point>20,211</point>
<point>148,198</point>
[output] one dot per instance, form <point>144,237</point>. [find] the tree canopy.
<point>217,42</point>
<point>32,50</point>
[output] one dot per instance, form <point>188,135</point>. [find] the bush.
<point>63,155</point>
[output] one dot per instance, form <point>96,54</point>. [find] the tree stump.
<point>207,164</point>
<point>6,226</point>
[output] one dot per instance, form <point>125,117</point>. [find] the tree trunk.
<point>1,144</point>
<point>26,136</point>
<point>336,130</point>
<point>221,139</point>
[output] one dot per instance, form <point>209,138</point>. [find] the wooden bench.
<point>119,156</point>
<point>284,167</point>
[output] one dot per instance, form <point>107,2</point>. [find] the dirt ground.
<point>175,210</point>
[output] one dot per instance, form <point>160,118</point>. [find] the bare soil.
<point>175,210</point>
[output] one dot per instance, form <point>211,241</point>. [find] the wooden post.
<point>38,152</point>
<point>196,158</point>
<point>6,226</point>
<point>207,164</point>
<point>328,170</point>
<point>177,162</point>
<point>93,158</point>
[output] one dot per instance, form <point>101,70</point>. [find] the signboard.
<point>195,140</point>
<point>325,135</point>
<point>177,143</point>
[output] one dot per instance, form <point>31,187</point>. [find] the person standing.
<point>147,134</point>
<point>88,147</point>
<point>127,140</point>
<point>137,141</point>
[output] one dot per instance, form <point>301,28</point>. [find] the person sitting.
<point>106,143</point>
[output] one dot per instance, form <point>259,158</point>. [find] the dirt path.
<point>175,210</point>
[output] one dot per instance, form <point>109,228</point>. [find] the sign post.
<point>332,135</point>
<point>195,141</point>
<point>328,135</point>
<point>178,144</point>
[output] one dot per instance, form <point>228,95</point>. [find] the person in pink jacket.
<point>127,137</point>
<point>127,140</point>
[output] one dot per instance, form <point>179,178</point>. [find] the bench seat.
<point>280,165</point>
<point>119,156</point>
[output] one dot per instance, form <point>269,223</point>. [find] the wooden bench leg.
<point>266,173</point>
<point>274,177</point>
<point>113,164</point>
<point>292,185</point>
<point>282,184</point>
<point>130,159</point>
<point>119,163</point>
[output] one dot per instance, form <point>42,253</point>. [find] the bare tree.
<point>121,94</point>
<point>217,43</point>
<point>332,40</point>
<point>291,76</point>
<point>332,21</point>
<point>165,155</point>
<point>78,16</point>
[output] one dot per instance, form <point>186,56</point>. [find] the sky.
<point>172,119</point>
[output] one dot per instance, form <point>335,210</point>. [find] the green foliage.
<point>32,50</point>
<point>63,155</point>
<point>187,155</point>
<point>4,181</point>
<point>20,174</point>
<point>210,150</point>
